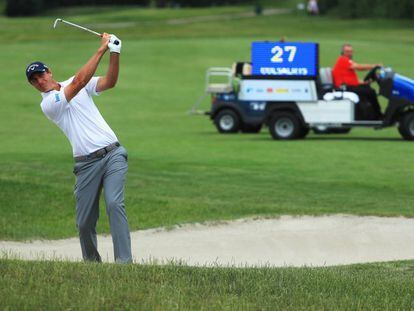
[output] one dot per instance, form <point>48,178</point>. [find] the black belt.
<point>98,153</point>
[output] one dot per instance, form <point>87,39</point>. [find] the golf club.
<point>116,42</point>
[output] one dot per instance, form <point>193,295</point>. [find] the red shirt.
<point>343,73</point>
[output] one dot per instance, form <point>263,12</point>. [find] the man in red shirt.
<point>344,74</point>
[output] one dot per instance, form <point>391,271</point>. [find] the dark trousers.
<point>368,100</point>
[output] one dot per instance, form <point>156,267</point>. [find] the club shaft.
<point>81,27</point>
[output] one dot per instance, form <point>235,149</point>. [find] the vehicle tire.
<point>227,121</point>
<point>406,126</point>
<point>248,128</point>
<point>285,125</point>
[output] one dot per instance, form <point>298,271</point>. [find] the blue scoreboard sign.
<point>285,59</point>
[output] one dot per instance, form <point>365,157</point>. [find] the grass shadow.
<point>343,138</point>
<point>334,138</point>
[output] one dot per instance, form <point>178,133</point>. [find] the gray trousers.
<point>109,173</point>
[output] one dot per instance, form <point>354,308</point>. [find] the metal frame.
<point>216,72</point>
<point>212,88</point>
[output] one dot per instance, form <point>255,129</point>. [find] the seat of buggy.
<point>326,79</point>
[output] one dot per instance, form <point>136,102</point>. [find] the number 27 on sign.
<point>279,53</point>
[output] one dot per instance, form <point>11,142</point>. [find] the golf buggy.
<point>284,89</point>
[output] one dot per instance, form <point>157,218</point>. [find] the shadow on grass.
<point>394,139</point>
<point>333,138</point>
<point>328,137</point>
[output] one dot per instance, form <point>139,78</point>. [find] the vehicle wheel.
<point>227,121</point>
<point>406,126</point>
<point>248,128</point>
<point>285,125</point>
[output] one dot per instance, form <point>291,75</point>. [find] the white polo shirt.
<point>79,119</point>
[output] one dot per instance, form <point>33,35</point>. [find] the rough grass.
<point>181,169</point>
<point>76,286</point>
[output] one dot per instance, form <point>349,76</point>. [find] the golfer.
<point>100,161</point>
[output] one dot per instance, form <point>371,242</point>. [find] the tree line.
<point>36,7</point>
<point>368,8</point>
<point>342,8</point>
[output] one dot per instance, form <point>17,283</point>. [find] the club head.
<point>56,21</point>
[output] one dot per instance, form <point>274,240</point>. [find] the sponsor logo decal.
<point>284,71</point>
<point>32,67</point>
<point>282,91</point>
<point>258,105</point>
<point>269,90</point>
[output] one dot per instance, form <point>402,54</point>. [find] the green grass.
<point>181,170</point>
<point>75,286</point>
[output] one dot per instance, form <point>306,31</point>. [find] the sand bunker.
<point>286,241</point>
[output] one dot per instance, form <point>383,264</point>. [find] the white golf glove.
<point>114,48</point>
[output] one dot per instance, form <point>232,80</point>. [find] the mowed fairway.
<point>181,169</point>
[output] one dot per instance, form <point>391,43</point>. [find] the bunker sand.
<point>285,241</point>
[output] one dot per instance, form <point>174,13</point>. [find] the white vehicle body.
<point>327,112</point>
<point>340,109</point>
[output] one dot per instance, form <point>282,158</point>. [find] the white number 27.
<point>278,51</point>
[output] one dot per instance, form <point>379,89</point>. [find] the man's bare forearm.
<point>364,67</point>
<point>113,70</point>
<point>110,79</point>
<point>83,76</point>
<point>87,71</point>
